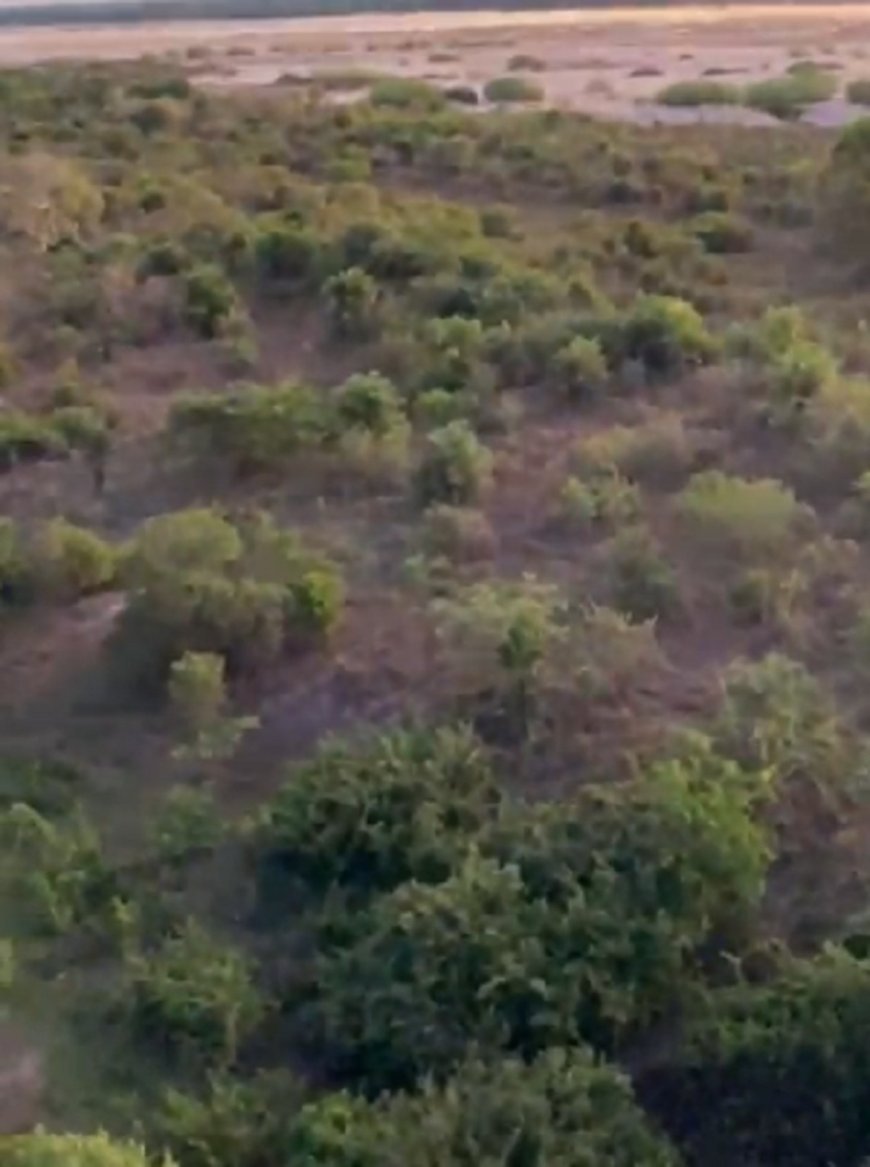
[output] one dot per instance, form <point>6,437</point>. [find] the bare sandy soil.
<point>607,63</point>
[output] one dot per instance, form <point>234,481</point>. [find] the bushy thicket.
<point>196,581</point>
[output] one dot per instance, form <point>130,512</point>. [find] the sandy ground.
<point>607,63</point>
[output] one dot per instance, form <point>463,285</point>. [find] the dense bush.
<point>699,92</point>
<point>251,429</point>
<point>15,570</point>
<point>555,931</point>
<point>757,519</point>
<point>198,582</point>
<point>858,91</point>
<point>52,1150</point>
<point>369,818</point>
<point>512,89</point>
<point>71,561</point>
<point>563,1109</point>
<point>789,96</point>
<point>194,996</point>
<point>658,451</point>
<point>786,1064</point>
<point>455,467</point>
<point>643,583</point>
<point>722,233</point>
<point>665,334</point>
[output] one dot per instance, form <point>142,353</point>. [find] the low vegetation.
<point>434,626</point>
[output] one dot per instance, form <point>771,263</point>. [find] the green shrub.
<point>858,91</point>
<point>723,233</point>
<point>194,995</point>
<point>405,93</point>
<point>775,715</point>
<point>699,92</point>
<point>565,1104</point>
<point>369,818</point>
<point>209,300</point>
<point>71,561</point>
<point>580,369</point>
<point>27,438</point>
<point>786,1064</point>
<point>643,584</point>
<point>61,879</point>
<point>462,94</point>
<point>198,583</point>
<point>788,97</point>
<point>496,635</point>
<point>197,691</point>
<point>606,499</point>
<point>518,948</point>
<point>506,90</point>
<point>15,570</point>
<point>845,193</point>
<point>353,301</point>
<point>526,63</point>
<point>455,468</point>
<point>187,825</point>
<point>251,429</point>
<point>459,534</point>
<point>658,451</point>
<point>287,256</point>
<point>46,1150</point>
<point>757,519</point>
<point>368,401</point>
<point>235,1122</point>
<point>665,334</point>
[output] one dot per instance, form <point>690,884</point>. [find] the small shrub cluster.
<point>197,582</point>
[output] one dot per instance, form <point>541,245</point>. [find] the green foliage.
<point>200,583</point>
<point>251,429</point>
<point>47,1150</point>
<point>788,97</point>
<point>71,561</point>
<point>15,576</point>
<point>28,438</point>
<point>659,451</point>
<point>699,92</point>
<point>845,195</point>
<point>235,1123</point>
<point>353,301</point>
<point>757,519</point>
<point>722,233</point>
<point>665,334</point>
<point>564,1109</point>
<point>455,467</point>
<point>580,370</point>
<point>605,499</point>
<point>57,867</point>
<point>187,825</point>
<point>405,93</point>
<point>858,91</point>
<point>210,301</point>
<point>496,635</point>
<point>462,94</point>
<point>775,715</point>
<point>554,931</point>
<point>459,534</point>
<point>197,691</point>
<point>507,90</point>
<point>367,819</point>
<point>786,1063</point>
<point>194,995</point>
<point>643,583</point>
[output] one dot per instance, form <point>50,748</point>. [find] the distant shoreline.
<point>42,13</point>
